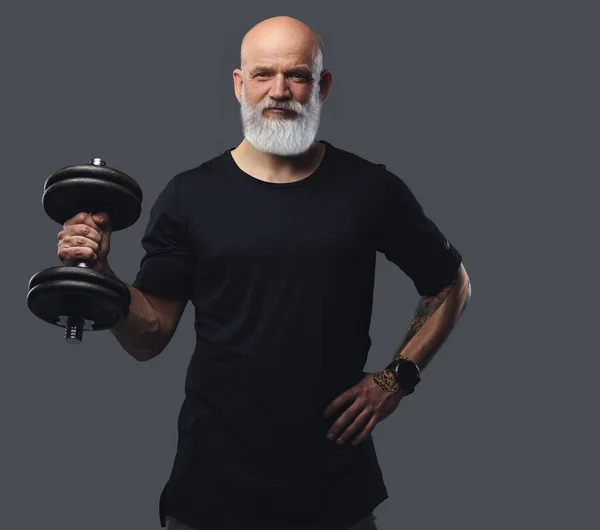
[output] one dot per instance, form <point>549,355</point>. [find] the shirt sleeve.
<point>166,267</point>
<point>412,241</point>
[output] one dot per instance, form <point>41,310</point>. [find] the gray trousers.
<point>368,523</point>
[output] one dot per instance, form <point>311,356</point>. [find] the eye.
<point>301,77</point>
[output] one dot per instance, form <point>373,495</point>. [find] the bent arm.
<point>149,326</point>
<point>434,320</point>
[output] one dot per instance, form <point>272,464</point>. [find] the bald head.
<point>282,37</point>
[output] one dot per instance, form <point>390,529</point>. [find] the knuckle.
<point>73,220</point>
<point>82,252</point>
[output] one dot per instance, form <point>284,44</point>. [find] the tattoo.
<point>428,305</point>
<point>385,380</point>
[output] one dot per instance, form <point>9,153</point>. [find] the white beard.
<point>280,134</point>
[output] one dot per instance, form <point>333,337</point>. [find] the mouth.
<point>277,110</point>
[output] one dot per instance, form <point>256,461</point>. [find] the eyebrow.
<point>301,68</point>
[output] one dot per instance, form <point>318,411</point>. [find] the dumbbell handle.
<point>74,327</point>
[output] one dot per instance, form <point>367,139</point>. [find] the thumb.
<point>103,221</point>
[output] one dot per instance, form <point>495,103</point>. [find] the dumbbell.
<point>77,297</point>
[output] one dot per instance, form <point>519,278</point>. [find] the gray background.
<point>487,110</point>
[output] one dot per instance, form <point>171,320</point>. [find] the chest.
<point>281,227</point>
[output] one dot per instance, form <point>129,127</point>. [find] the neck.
<point>274,166</point>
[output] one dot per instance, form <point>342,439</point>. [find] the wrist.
<point>385,380</point>
<point>105,268</point>
<point>401,375</point>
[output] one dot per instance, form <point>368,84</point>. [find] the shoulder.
<point>188,180</point>
<point>387,186</point>
<point>366,172</point>
<point>187,185</point>
<point>355,161</point>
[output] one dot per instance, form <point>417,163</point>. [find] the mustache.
<point>283,105</point>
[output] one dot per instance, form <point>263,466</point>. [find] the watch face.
<point>407,374</point>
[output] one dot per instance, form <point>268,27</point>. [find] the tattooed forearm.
<point>432,323</point>
<point>428,305</point>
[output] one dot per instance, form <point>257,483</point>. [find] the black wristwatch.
<point>406,373</point>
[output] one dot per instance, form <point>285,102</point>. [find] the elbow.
<point>463,288</point>
<point>466,290</point>
<point>147,356</point>
<point>146,353</point>
<point>142,356</point>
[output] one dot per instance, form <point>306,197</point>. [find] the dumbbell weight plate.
<point>91,188</point>
<point>80,292</point>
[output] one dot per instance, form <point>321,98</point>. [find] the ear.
<point>325,84</point>
<point>237,83</point>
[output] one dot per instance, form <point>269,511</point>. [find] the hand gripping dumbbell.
<point>77,297</point>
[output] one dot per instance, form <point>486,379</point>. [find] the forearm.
<point>434,320</point>
<point>139,333</point>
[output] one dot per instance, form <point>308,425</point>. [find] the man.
<point>274,242</point>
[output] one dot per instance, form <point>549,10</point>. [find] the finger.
<point>341,400</point>
<point>79,241</point>
<point>361,420</point>
<point>102,219</point>
<point>105,241</point>
<point>73,254</point>
<point>81,219</point>
<point>345,419</point>
<point>84,230</point>
<point>366,432</point>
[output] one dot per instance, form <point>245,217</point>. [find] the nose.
<point>280,88</point>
